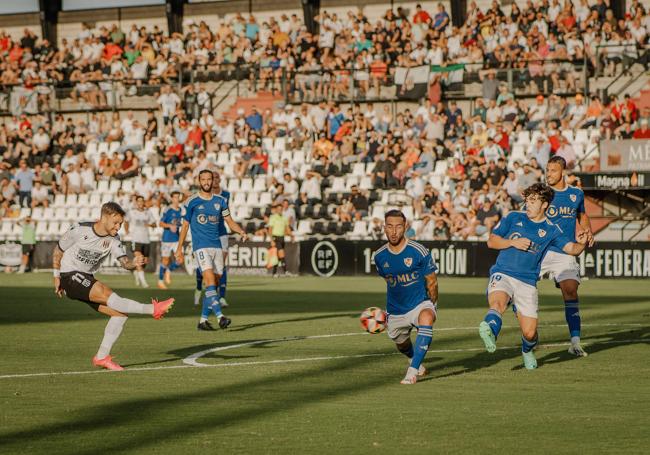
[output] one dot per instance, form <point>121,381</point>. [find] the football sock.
<point>128,306</point>
<point>199,279</point>
<point>223,282</point>
<point>572,314</point>
<point>528,345</point>
<point>275,269</point>
<point>161,272</point>
<point>212,296</point>
<point>142,278</point>
<point>422,342</point>
<point>406,350</point>
<point>111,334</point>
<point>137,277</point>
<point>493,318</point>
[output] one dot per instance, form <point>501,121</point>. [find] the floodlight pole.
<point>49,16</point>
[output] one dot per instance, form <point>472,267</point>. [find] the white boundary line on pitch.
<point>315,359</point>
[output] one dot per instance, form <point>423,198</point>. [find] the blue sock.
<point>493,318</point>
<point>572,314</point>
<point>206,308</point>
<point>422,342</point>
<point>161,272</point>
<point>199,279</point>
<point>223,282</point>
<point>212,296</point>
<point>172,265</point>
<point>526,345</point>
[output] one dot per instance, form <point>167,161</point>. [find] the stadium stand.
<point>320,121</point>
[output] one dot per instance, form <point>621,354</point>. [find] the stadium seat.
<point>267,144</point>
<point>246,184</point>
<point>302,174</point>
<point>72,213</point>
<point>95,212</point>
<point>299,157</point>
<point>159,173</point>
<point>37,213</point>
<point>441,167</point>
<point>127,186</point>
<point>280,144</point>
<point>350,181</point>
<point>95,200</point>
<point>102,147</point>
<point>83,200</point>
<point>59,200</point>
<point>84,214</point>
<point>408,212</point>
<point>366,183</point>
<point>286,155</point>
<point>259,184</point>
<point>359,169</point>
<point>304,227</point>
<point>63,227</point>
<point>359,231</point>
<point>114,186</point>
<point>536,135</point>
<point>582,136</point>
<point>113,147</point>
<point>338,185</point>
<point>91,149</point>
<point>48,213</point>
<point>265,199</point>
<point>70,200</point>
<point>239,198</point>
<point>233,185</point>
<point>53,229</point>
<point>377,211</point>
<point>274,157</point>
<point>102,186</point>
<point>59,214</point>
<point>523,138</point>
<point>148,171</point>
<point>253,199</point>
<point>16,231</point>
<point>222,159</point>
<point>6,229</point>
<point>568,134</point>
<point>41,230</point>
<point>229,170</point>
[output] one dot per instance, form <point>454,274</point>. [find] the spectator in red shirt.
<point>195,136</point>
<point>420,15</point>
<point>643,132</point>
<point>16,53</point>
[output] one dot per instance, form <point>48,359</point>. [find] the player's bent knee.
<point>100,293</point>
<point>426,317</point>
<point>530,333</point>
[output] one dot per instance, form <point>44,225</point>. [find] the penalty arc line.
<point>298,360</point>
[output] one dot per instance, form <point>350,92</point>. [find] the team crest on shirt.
<point>573,197</point>
<point>216,206</point>
<point>408,262</point>
<point>541,232</point>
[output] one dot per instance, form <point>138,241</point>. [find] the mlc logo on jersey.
<point>324,259</point>
<point>406,279</point>
<point>408,262</point>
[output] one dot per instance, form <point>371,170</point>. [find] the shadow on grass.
<point>33,305</point>
<point>610,340</point>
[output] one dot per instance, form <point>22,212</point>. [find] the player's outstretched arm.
<point>132,264</point>
<point>57,255</point>
<point>585,224</point>
<point>235,227</point>
<point>432,286</point>
<point>499,243</point>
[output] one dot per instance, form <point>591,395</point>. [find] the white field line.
<point>191,360</point>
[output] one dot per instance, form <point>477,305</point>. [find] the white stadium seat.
<point>246,184</point>
<point>59,200</point>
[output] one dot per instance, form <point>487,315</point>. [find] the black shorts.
<point>28,248</point>
<point>77,286</point>
<point>279,242</point>
<point>141,248</point>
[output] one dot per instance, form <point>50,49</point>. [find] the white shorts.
<point>210,259</point>
<point>224,243</point>
<point>167,249</point>
<point>522,295</point>
<point>560,267</point>
<point>400,325</point>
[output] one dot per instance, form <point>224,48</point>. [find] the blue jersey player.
<point>566,210</point>
<point>523,239</point>
<point>203,212</point>
<point>170,221</point>
<point>223,237</point>
<point>411,292</point>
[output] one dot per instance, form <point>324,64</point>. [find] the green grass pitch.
<point>338,393</point>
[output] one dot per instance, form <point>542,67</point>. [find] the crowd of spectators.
<point>482,176</point>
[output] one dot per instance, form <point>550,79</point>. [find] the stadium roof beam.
<point>49,12</point>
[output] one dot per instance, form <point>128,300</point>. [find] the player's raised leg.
<point>572,315</point>
<point>426,318</point>
<point>223,279</point>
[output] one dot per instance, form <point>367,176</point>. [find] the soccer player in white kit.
<point>76,258</point>
<point>138,221</point>
<point>566,210</point>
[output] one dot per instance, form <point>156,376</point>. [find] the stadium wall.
<point>329,257</point>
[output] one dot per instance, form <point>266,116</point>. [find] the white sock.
<point>111,334</point>
<point>575,340</point>
<point>128,306</point>
<point>141,275</point>
<point>137,277</point>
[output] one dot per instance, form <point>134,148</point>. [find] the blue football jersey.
<point>204,216</point>
<point>564,210</point>
<point>222,224</point>
<point>525,265</point>
<point>404,273</point>
<point>171,216</point>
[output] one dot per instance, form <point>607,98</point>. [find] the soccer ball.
<point>373,320</point>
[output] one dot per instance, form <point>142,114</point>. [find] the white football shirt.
<point>84,250</point>
<point>139,221</point>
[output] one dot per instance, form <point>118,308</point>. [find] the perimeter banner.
<point>625,155</point>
